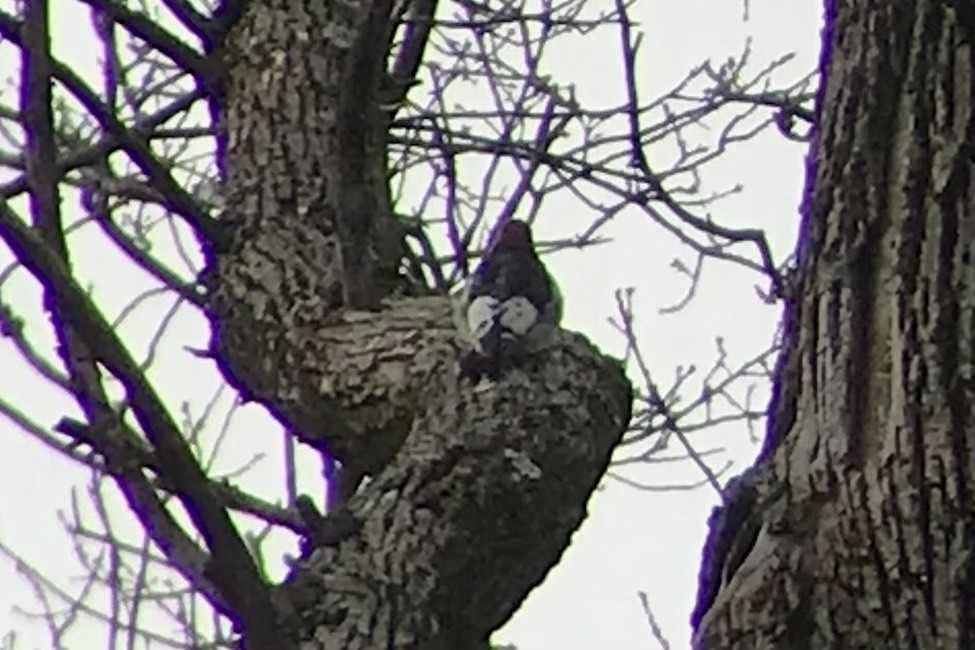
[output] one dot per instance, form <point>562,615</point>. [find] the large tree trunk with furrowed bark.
<point>856,528</point>
<point>474,492</point>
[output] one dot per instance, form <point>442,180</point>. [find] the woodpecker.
<point>509,294</point>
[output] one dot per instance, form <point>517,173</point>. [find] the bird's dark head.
<point>514,235</point>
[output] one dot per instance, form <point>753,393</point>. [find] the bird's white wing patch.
<point>481,315</point>
<point>518,316</point>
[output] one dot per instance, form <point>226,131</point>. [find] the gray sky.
<point>633,540</point>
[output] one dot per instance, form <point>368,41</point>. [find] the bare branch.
<point>140,26</point>
<point>626,326</point>
<point>159,176</point>
<point>231,566</point>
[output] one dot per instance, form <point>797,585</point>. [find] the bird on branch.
<point>509,295</point>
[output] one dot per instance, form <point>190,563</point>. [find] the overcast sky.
<point>633,540</point>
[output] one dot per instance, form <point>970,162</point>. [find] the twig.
<point>230,566</point>
<point>652,622</point>
<point>626,317</point>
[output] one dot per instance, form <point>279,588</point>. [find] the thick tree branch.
<point>474,491</point>
<point>468,484</point>
<point>39,126</point>
<point>853,529</point>
<point>300,270</point>
<point>85,378</point>
<point>416,35</point>
<point>477,506</point>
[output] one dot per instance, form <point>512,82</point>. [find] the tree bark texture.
<point>856,528</point>
<point>475,490</point>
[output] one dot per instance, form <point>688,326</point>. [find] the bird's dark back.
<point>509,273</point>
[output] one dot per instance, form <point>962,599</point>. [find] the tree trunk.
<point>856,527</point>
<point>474,491</point>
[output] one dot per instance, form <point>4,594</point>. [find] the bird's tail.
<point>486,360</point>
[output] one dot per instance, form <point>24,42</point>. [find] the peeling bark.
<point>861,520</point>
<point>475,490</point>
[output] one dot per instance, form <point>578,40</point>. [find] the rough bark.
<point>475,490</point>
<point>856,527</point>
<point>476,507</point>
<point>312,230</point>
